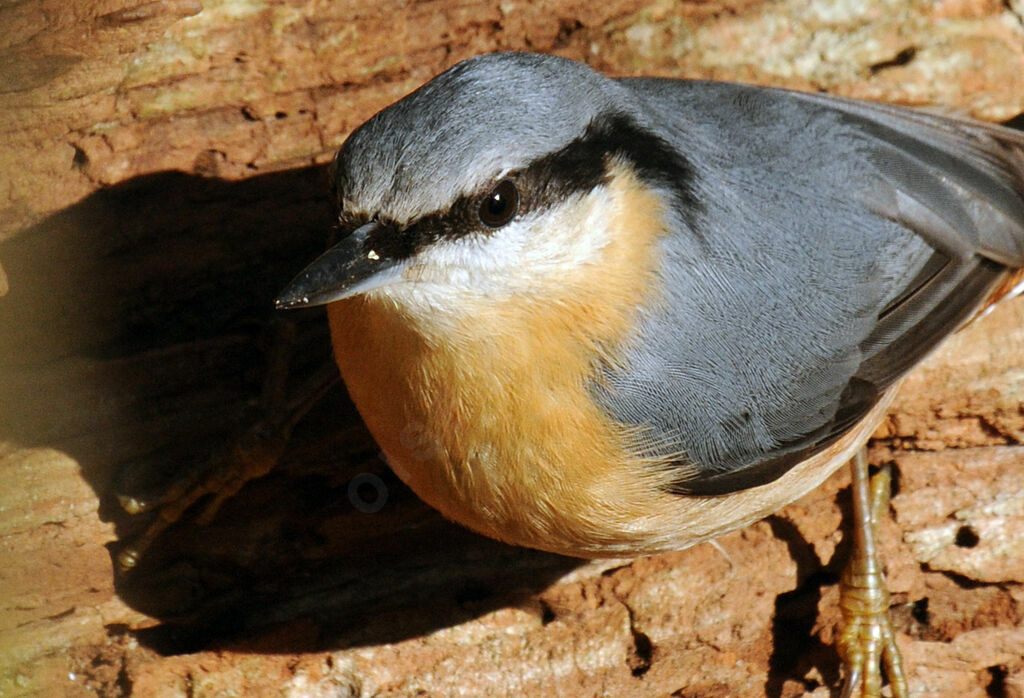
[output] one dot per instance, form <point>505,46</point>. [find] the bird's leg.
<point>866,642</point>
<point>251,455</point>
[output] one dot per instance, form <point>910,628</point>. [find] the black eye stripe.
<point>577,168</point>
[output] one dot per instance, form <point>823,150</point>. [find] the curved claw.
<point>252,456</point>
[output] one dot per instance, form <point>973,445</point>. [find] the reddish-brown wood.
<point>161,178</point>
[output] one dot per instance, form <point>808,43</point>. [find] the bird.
<point>606,317</point>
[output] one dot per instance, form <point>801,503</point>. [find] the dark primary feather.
<point>839,243</point>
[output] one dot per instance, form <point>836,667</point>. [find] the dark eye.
<point>500,205</point>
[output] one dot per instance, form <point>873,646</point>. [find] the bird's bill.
<point>345,270</point>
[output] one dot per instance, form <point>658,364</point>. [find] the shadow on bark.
<point>134,338</point>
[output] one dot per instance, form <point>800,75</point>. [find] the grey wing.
<point>839,242</point>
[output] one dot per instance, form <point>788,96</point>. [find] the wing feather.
<point>840,242</point>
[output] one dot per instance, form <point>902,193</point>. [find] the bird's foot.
<point>250,456</point>
<point>866,643</point>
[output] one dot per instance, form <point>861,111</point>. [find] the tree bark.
<point>163,177</point>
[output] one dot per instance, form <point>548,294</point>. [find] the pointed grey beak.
<point>345,270</point>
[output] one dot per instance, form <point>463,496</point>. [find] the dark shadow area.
<point>1016,122</point>
<point>796,648</point>
<point>135,339</point>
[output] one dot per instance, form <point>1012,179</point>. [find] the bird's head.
<point>491,180</point>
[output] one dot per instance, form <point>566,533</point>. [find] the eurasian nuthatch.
<point>601,317</point>
<point>604,317</point>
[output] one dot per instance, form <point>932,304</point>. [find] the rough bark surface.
<point>162,177</point>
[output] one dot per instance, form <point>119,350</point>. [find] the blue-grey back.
<point>834,248</point>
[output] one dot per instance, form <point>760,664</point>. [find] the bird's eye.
<point>500,205</point>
